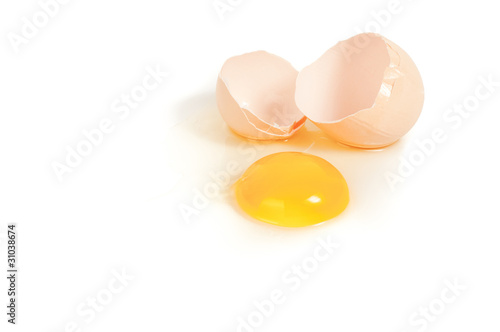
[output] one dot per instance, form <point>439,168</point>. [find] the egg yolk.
<point>292,189</point>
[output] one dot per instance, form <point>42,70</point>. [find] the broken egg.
<point>256,96</point>
<point>292,189</point>
<point>364,92</point>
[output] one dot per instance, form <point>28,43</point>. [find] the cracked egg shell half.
<point>256,96</point>
<point>364,92</point>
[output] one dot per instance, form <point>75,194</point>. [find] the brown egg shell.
<point>364,92</point>
<point>256,96</point>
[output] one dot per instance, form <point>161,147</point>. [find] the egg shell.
<point>256,96</point>
<point>364,92</point>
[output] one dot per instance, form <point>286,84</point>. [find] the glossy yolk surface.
<point>292,189</point>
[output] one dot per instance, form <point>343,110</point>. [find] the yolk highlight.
<point>292,189</point>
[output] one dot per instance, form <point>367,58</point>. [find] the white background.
<point>120,208</point>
